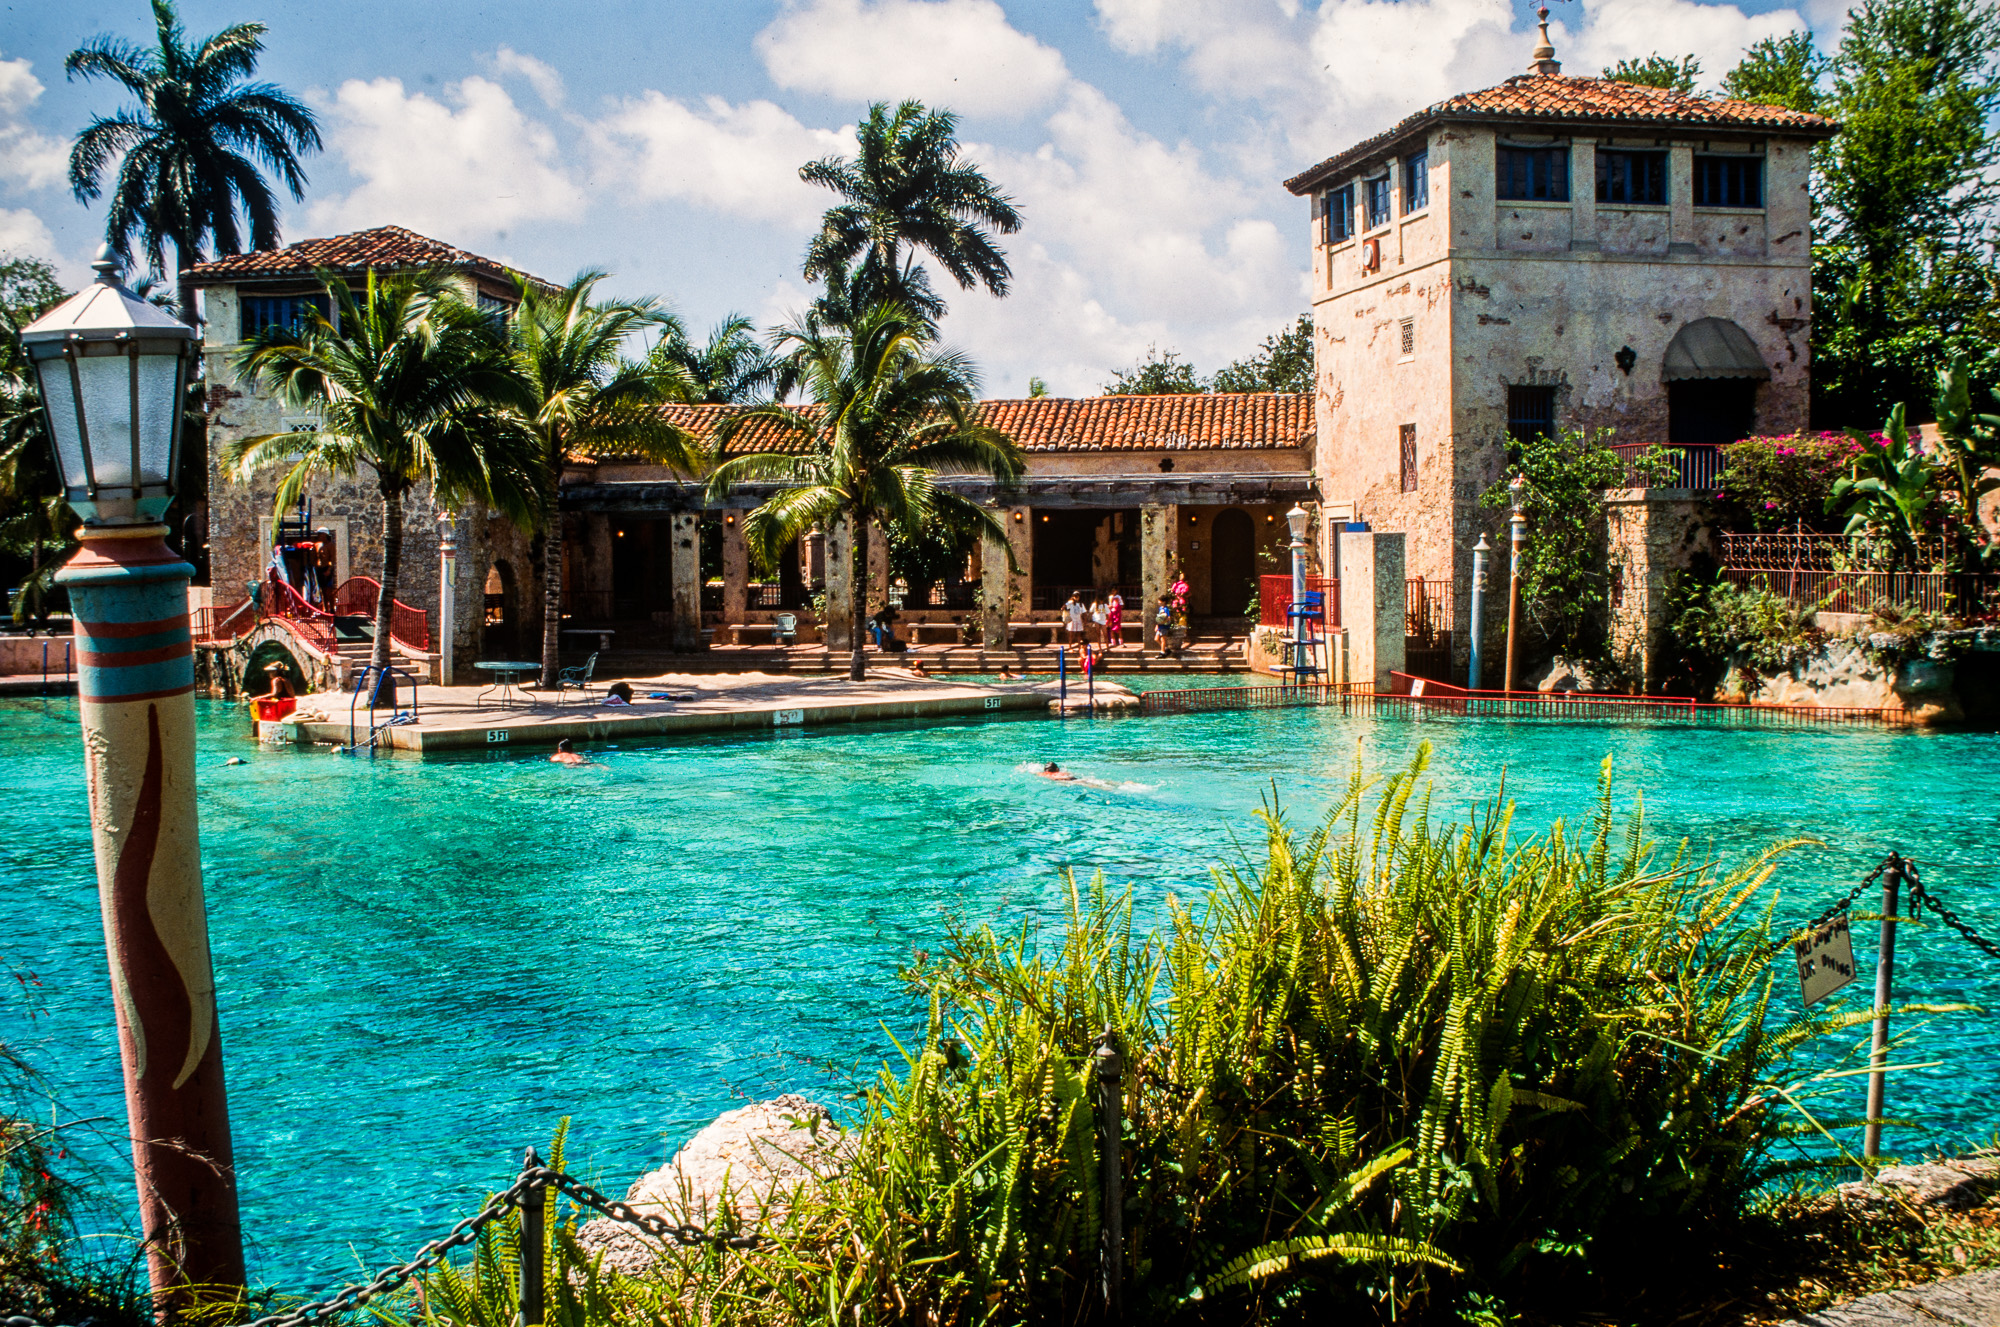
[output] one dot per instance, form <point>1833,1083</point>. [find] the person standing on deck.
<point>1114,621</point>
<point>1072,618</point>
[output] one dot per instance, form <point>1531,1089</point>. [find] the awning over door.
<point>1712,348</point>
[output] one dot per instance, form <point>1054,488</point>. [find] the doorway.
<point>1232,567</point>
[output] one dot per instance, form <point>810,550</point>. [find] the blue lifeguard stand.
<point>1305,622</point>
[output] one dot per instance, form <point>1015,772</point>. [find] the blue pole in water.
<point>1062,676</point>
<point>1090,687</point>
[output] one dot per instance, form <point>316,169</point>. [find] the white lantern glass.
<point>1296,518</point>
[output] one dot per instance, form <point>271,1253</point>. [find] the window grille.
<point>1729,182</point>
<point>1631,177</point>
<point>1408,442</point>
<point>1376,196</point>
<point>291,312</point>
<point>1538,174</point>
<point>1531,412</point>
<point>1416,182</point>
<point>1409,331</point>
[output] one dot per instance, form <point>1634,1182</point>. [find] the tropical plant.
<point>1750,625</point>
<point>188,154</point>
<point>406,381</point>
<point>1658,71</point>
<point>581,396</point>
<point>1891,491</point>
<point>890,413</point>
<point>1971,446</point>
<point>906,191</point>
<point>732,368</point>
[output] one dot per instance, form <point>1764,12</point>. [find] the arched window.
<point>1711,371</point>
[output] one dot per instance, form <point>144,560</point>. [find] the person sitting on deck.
<point>281,686</point>
<point>619,693</point>
<point>565,756</point>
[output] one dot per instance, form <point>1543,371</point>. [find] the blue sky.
<point>1144,140</point>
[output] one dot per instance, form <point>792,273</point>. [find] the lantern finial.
<point>107,265</point>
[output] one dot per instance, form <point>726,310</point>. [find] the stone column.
<point>1372,607</point>
<point>878,567</point>
<point>836,629</point>
<point>1680,200</point>
<point>684,532</point>
<point>1583,195</point>
<point>1159,555</point>
<point>735,569</point>
<point>1002,590</point>
<point>1651,534</point>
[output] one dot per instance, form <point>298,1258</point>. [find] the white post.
<point>1296,519</point>
<point>447,585</point>
<point>1480,553</point>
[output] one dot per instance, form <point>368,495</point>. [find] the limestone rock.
<point>1954,1185</point>
<point>1566,676</point>
<point>747,1165</point>
<point>1956,1301</point>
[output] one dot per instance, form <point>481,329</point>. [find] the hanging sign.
<point>1825,957</point>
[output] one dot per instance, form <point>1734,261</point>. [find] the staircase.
<point>1207,654</point>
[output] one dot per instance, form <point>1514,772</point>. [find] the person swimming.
<point>566,756</point>
<point>1058,773</point>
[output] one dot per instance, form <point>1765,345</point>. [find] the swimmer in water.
<point>565,756</point>
<point>1058,773</point>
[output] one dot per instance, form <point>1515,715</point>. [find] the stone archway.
<point>500,637</point>
<point>1232,565</point>
<point>253,681</point>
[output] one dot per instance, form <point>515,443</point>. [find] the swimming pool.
<point>422,964</point>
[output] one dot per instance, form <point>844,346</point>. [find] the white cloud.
<point>961,54</point>
<point>740,160</point>
<point>1632,29</point>
<point>28,157</point>
<point>542,76</point>
<point>25,235</point>
<point>478,168</point>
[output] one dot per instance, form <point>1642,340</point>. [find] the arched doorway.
<point>501,637</point>
<point>1232,566</point>
<point>256,681</point>
<point>1711,371</point>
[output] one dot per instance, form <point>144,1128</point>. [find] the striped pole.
<point>135,688</point>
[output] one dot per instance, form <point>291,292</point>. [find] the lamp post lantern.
<point>113,370</point>
<point>1296,519</point>
<point>1517,534</point>
<point>1481,554</point>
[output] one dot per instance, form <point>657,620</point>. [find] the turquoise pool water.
<point>423,964</point>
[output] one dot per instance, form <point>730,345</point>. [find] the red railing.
<point>357,596</point>
<point>1274,599</point>
<point>1427,693</point>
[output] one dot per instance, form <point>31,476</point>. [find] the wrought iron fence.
<point>1852,575</point>
<point>1822,552</point>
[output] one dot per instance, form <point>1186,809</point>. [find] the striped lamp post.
<point>113,370</point>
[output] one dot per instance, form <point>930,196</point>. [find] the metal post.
<point>1481,551</point>
<point>1885,970</point>
<point>1062,678</point>
<point>533,1246</point>
<point>1090,679</point>
<point>1517,536</point>
<point>1298,601</point>
<point>135,701</point>
<point>1110,1130</point>
<point>447,593</point>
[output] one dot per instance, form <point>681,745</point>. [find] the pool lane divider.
<point>455,735</point>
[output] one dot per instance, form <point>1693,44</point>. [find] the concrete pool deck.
<point>455,718</point>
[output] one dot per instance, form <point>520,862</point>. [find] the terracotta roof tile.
<point>1528,98</point>
<point>1241,421</point>
<point>382,247</point>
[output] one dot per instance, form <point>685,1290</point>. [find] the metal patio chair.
<point>577,679</point>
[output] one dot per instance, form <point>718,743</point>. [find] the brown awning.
<point>1712,348</point>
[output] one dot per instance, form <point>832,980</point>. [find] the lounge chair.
<point>576,679</point>
<point>785,629</point>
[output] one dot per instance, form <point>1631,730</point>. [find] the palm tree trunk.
<point>392,566</point>
<point>857,589</point>
<point>552,588</point>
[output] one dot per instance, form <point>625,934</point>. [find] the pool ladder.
<point>396,718</point>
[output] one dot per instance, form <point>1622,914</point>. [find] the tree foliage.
<point>188,156</point>
<point>1780,71</point>
<point>1158,375</point>
<point>1904,279</point>
<point>731,368</point>
<point>1658,71</point>
<point>908,191</point>
<point>1284,363</point>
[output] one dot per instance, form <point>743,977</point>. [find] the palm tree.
<point>584,398</point>
<point>732,369</point>
<point>906,189</point>
<point>407,381</point>
<point>188,154</point>
<point>890,413</point>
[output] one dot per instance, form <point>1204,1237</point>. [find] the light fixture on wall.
<point>1625,359</point>
<point>728,518</point>
<point>1193,519</point>
<point>1018,516</point>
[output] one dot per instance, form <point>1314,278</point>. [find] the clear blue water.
<point>423,964</point>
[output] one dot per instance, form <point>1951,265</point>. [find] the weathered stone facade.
<point>1650,534</point>
<point>1430,305</point>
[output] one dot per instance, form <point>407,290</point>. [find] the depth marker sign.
<point>1826,960</point>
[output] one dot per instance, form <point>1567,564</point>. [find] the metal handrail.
<point>354,699</point>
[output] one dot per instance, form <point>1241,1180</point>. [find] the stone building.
<point>244,293</point>
<point>1555,251</point>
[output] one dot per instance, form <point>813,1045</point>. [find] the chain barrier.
<point>534,1179</point>
<point>1921,898</point>
<point>1843,905</point>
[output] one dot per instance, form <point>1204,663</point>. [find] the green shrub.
<point>1782,482</point>
<point>1750,625</point>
